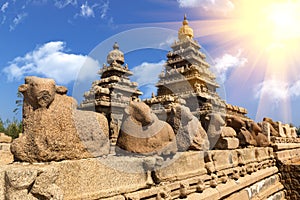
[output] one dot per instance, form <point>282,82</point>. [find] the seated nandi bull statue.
<point>54,129</point>
<point>213,123</point>
<point>220,135</point>
<point>249,133</point>
<point>190,134</point>
<point>143,133</point>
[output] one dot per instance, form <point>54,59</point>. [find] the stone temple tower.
<point>113,92</point>
<point>186,75</point>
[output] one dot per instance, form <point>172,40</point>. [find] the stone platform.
<point>248,173</point>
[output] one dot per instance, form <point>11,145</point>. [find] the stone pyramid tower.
<point>188,76</point>
<point>113,92</point>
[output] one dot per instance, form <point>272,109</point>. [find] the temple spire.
<point>185,31</point>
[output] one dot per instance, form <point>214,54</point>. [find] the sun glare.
<point>269,24</point>
<point>285,19</point>
<point>268,32</point>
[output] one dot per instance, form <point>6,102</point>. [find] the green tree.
<point>13,128</point>
<point>2,128</point>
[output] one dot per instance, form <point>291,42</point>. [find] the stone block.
<point>277,196</point>
<point>284,146</point>
<point>222,159</point>
<point>294,132</point>
<point>226,189</point>
<point>5,147</point>
<point>6,158</point>
<point>99,178</point>
<point>208,194</point>
<point>262,153</point>
<point>280,130</point>
<point>266,130</point>
<point>5,138</point>
<point>243,195</point>
<point>45,186</point>
<point>182,166</point>
<point>79,179</point>
<point>20,178</point>
<point>249,155</point>
<point>227,143</point>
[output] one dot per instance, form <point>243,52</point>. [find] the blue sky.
<point>68,40</point>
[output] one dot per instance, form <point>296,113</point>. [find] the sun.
<point>268,33</point>
<point>269,24</point>
<point>285,20</point>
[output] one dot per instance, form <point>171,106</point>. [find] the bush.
<point>11,128</point>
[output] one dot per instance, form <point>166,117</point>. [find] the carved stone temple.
<point>113,92</point>
<point>187,75</point>
<point>183,143</point>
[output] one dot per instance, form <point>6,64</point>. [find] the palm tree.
<point>19,103</point>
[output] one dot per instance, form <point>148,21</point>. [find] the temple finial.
<point>116,46</point>
<point>185,21</point>
<point>185,31</point>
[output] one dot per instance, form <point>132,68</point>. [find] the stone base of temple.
<point>249,173</point>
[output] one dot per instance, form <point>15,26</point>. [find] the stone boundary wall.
<point>248,173</point>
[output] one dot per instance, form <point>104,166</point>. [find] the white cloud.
<point>103,9</point>
<point>51,61</point>
<point>277,90</point>
<point>86,10</point>
<point>146,75</point>
<point>170,40</point>
<point>226,63</point>
<point>208,5</point>
<point>295,89</point>
<point>64,3</point>
<point>17,20</point>
<point>3,20</point>
<point>4,7</point>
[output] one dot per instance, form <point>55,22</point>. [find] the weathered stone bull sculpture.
<point>190,134</point>
<point>54,129</point>
<point>143,133</point>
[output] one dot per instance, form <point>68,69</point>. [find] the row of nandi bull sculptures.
<point>55,130</point>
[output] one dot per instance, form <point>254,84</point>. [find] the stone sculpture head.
<point>40,92</point>
<point>183,113</point>
<point>140,113</point>
<point>216,120</point>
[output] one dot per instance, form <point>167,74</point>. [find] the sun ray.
<point>268,33</point>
